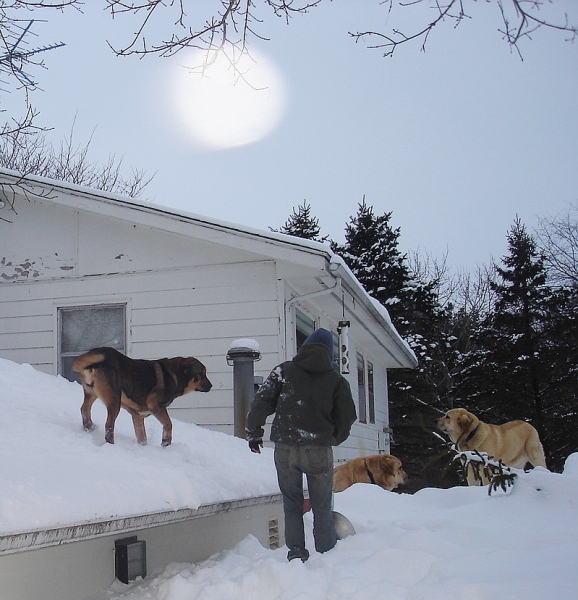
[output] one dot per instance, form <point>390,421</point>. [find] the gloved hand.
<point>255,446</point>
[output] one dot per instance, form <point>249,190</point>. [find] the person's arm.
<point>263,405</point>
<point>344,413</point>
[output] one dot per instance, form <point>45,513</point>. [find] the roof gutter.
<point>294,300</point>
<point>339,270</point>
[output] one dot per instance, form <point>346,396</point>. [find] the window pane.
<point>370,392</point>
<point>85,327</point>
<point>89,327</point>
<point>361,389</point>
<point>304,327</point>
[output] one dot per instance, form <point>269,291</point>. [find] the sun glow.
<point>230,101</point>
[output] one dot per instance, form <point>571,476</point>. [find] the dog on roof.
<point>142,387</point>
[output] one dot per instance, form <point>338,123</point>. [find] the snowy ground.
<point>456,544</point>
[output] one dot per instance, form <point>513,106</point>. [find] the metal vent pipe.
<point>242,355</point>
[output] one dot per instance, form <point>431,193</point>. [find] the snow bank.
<point>456,544</point>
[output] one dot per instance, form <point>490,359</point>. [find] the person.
<point>314,411</point>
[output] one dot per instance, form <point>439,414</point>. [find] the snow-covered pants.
<point>316,463</point>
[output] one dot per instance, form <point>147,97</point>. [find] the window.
<point>304,327</point>
<point>82,328</point>
<point>361,398</point>
<point>335,350</point>
<point>370,392</point>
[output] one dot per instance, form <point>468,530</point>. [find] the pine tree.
<point>524,362</point>
<point>416,396</point>
<point>371,252</point>
<point>301,224</point>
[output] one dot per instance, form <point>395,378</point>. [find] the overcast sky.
<point>455,141</point>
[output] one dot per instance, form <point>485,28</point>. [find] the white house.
<point>81,268</point>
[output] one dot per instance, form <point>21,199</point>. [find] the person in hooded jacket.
<point>314,411</point>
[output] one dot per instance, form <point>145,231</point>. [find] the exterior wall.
<point>366,438</point>
<point>184,297</point>
<point>75,570</point>
<point>190,312</point>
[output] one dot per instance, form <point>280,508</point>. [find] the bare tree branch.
<point>230,25</point>
<point>29,153</point>
<point>234,22</point>
<point>520,18</point>
<point>558,239</point>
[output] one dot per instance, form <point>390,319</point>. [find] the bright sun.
<point>225,105</point>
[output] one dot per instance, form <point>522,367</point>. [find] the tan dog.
<point>383,470</point>
<point>515,443</point>
<point>142,387</point>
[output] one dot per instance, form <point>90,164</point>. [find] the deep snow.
<point>449,544</point>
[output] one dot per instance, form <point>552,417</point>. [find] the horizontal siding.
<point>17,325</point>
<point>196,312</point>
<point>210,331</point>
<point>204,313</point>
<point>30,339</point>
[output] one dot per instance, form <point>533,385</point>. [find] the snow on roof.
<point>55,474</point>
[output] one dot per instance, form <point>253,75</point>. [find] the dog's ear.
<point>465,420</point>
<point>387,465</point>
<point>191,369</point>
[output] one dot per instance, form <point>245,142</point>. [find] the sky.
<point>446,544</point>
<point>456,141</point>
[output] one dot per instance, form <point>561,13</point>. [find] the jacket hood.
<point>321,336</point>
<point>313,357</point>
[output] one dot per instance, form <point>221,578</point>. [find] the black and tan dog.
<point>142,387</point>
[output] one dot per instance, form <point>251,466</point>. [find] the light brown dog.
<point>142,387</point>
<point>383,470</point>
<point>515,443</point>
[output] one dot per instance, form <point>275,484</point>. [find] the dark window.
<point>370,392</point>
<point>361,399</point>
<point>304,327</point>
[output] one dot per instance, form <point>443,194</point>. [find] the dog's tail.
<point>88,360</point>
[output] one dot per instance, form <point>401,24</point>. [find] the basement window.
<point>81,328</point>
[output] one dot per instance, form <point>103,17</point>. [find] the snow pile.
<point>457,544</point>
<point>53,473</point>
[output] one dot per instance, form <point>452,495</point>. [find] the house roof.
<point>272,245</point>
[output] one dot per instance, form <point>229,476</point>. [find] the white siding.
<point>188,290</point>
<point>189,312</point>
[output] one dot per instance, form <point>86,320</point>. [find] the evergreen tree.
<point>418,395</point>
<point>371,252</point>
<point>301,224</point>
<point>523,365</point>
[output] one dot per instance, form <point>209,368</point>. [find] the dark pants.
<point>316,463</point>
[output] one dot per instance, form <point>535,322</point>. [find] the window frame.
<point>361,389</point>
<point>65,356</point>
<point>370,391</point>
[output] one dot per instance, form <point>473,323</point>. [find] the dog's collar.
<point>469,438</point>
<point>369,473</point>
